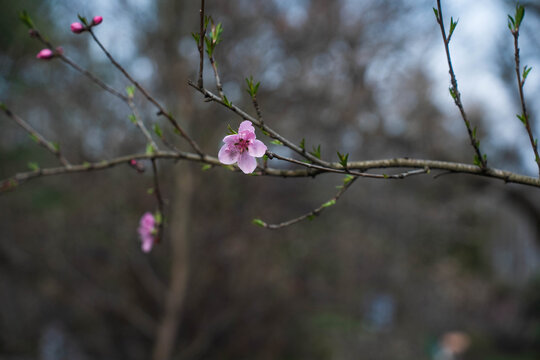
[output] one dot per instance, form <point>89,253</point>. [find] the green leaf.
<point>86,164</point>
<point>343,159</point>
<point>316,151</point>
<point>511,22</point>
<point>130,91</point>
<point>33,166</point>
<point>132,118</point>
<point>303,144</point>
<point>25,18</point>
<point>158,217</point>
<point>453,25</point>
<point>216,32</point>
<point>474,132</point>
<point>55,145</point>
<point>149,149</point>
<point>452,93</point>
<point>310,217</point>
<point>329,203</point>
<point>477,161</point>
<point>230,130</point>
<point>526,71</point>
<point>227,102</point>
<point>34,137</point>
<point>258,222</point>
<point>150,191</point>
<point>276,142</point>
<point>522,119</point>
<point>436,13</point>
<point>83,19</point>
<point>520,13</point>
<point>347,179</point>
<point>157,130</point>
<point>196,37</point>
<point>206,167</point>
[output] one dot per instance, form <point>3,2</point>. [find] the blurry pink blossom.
<point>242,148</point>
<point>147,228</point>
<point>45,54</point>
<point>77,28</point>
<point>97,20</point>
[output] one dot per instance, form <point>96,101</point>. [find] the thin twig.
<point>161,110</point>
<point>348,171</point>
<point>456,94</point>
<point>141,125</point>
<point>216,75</point>
<point>525,114</point>
<point>159,198</point>
<point>312,213</point>
<point>40,139</point>
<point>202,34</point>
<point>419,164</point>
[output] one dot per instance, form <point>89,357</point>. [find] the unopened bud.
<point>33,32</point>
<point>97,20</point>
<point>45,54</point>
<point>77,28</point>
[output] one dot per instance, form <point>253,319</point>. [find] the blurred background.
<point>422,268</point>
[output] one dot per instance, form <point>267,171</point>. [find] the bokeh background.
<point>396,270</point>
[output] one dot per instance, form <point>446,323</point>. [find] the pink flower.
<point>242,148</point>
<point>45,54</point>
<point>146,230</point>
<point>97,20</point>
<point>77,28</point>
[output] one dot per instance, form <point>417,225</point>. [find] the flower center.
<point>242,145</point>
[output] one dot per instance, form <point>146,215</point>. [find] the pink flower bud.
<point>97,20</point>
<point>59,50</point>
<point>45,54</point>
<point>77,28</point>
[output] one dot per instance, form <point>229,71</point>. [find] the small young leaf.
<point>34,137</point>
<point>196,37</point>
<point>453,25</point>
<point>158,217</point>
<point>227,102</point>
<point>33,166</point>
<point>310,217</point>
<point>316,151</point>
<point>206,167</point>
<point>347,179</point>
<point>55,145</point>
<point>276,142</point>
<point>436,13</point>
<point>86,164</point>
<point>149,149</point>
<point>130,91</point>
<point>522,119</point>
<point>150,191</point>
<point>258,222</point>
<point>230,130</point>
<point>329,203</point>
<point>132,118</point>
<point>303,144</point>
<point>343,159</point>
<point>520,13</point>
<point>25,18</point>
<point>526,71</point>
<point>83,19</point>
<point>157,130</point>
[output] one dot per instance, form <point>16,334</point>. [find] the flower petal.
<point>247,163</point>
<point>147,243</point>
<point>257,148</point>
<point>247,135</point>
<point>231,139</point>
<point>228,155</point>
<point>246,125</point>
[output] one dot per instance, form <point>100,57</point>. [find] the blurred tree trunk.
<point>179,238</point>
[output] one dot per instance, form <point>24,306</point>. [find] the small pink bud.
<point>59,50</point>
<point>33,33</point>
<point>77,28</point>
<point>97,20</point>
<point>45,54</point>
